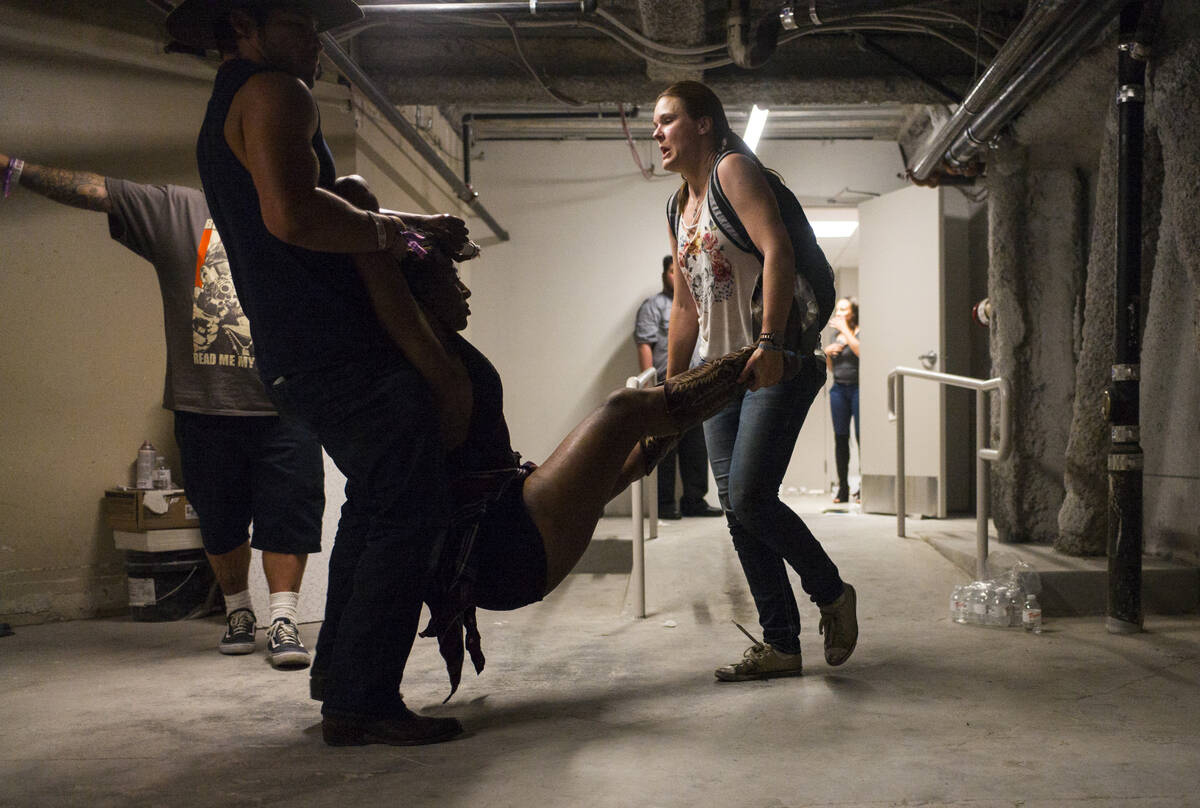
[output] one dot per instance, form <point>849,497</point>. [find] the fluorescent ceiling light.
<point>834,229</point>
<point>754,126</point>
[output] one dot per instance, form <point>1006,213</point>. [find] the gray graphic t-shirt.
<point>210,359</point>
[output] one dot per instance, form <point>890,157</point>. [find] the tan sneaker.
<point>839,624</point>
<point>760,661</point>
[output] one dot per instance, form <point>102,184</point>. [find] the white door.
<point>900,314</point>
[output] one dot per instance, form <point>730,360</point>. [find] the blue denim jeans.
<point>843,405</point>
<point>375,418</point>
<point>750,443</point>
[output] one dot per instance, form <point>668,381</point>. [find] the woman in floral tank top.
<point>751,440</point>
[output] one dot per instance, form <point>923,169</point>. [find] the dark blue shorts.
<point>262,469</point>
<point>510,555</point>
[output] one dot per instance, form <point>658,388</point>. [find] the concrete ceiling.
<point>566,75</point>
<point>857,76</point>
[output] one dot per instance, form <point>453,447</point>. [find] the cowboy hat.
<point>192,20</point>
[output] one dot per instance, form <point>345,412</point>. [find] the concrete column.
<point>1082,518</point>
<point>1034,282</point>
<point>1170,390</point>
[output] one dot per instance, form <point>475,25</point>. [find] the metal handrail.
<point>895,390</point>
<point>637,577</point>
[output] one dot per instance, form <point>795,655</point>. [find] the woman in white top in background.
<point>750,441</point>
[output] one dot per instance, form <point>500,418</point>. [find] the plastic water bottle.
<point>162,473</point>
<point>145,465</point>
<point>1031,615</point>
<point>1016,599</point>
<point>958,604</point>
<point>997,607</point>
<point>977,605</point>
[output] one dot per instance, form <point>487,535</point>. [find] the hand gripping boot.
<point>694,396</point>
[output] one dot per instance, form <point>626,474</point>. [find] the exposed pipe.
<point>363,83</point>
<point>1030,32</point>
<point>532,116</point>
<point>744,52</point>
<point>531,6</point>
<point>164,6</point>
<point>1065,45</point>
<point>818,12</point>
<point>467,136</point>
<point>1125,459</point>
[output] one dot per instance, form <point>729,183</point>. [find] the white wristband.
<point>380,230</point>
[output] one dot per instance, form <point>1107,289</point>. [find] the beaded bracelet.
<point>12,174</point>
<point>415,242</point>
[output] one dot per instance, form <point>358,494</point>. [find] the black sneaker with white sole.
<point>285,650</point>
<point>239,633</point>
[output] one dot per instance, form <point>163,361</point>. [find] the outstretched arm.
<point>79,189</point>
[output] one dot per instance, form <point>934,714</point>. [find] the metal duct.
<point>1066,45</point>
<point>749,46</point>
<point>531,6</point>
<point>1030,33</point>
<point>363,83</point>
<point>819,12</point>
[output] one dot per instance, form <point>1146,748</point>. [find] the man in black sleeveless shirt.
<point>341,345</point>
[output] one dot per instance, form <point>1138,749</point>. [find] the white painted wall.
<point>81,346</point>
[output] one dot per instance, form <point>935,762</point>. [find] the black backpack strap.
<point>723,214</point>
<point>811,263</point>
<point>673,212</point>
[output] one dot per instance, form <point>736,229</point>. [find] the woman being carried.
<point>518,528</point>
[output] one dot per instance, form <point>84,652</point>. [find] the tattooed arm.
<point>79,189</point>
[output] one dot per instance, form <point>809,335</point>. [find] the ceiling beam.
<point>673,22</point>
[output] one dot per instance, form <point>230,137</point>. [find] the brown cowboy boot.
<point>696,395</point>
<point>701,392</point>
<point>693,396</point>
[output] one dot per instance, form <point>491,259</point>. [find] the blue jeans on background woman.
<point>843,405</point>
<point>750,444</point>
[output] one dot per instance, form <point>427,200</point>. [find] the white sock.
<point>240,600</point>
<point>283,604</point>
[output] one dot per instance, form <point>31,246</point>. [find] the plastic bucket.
<point>171,585</point>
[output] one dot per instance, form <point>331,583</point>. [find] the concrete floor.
<point>583,705</point>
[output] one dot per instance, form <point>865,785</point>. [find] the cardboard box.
<point>138,509</point>
<point>158,541</point>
